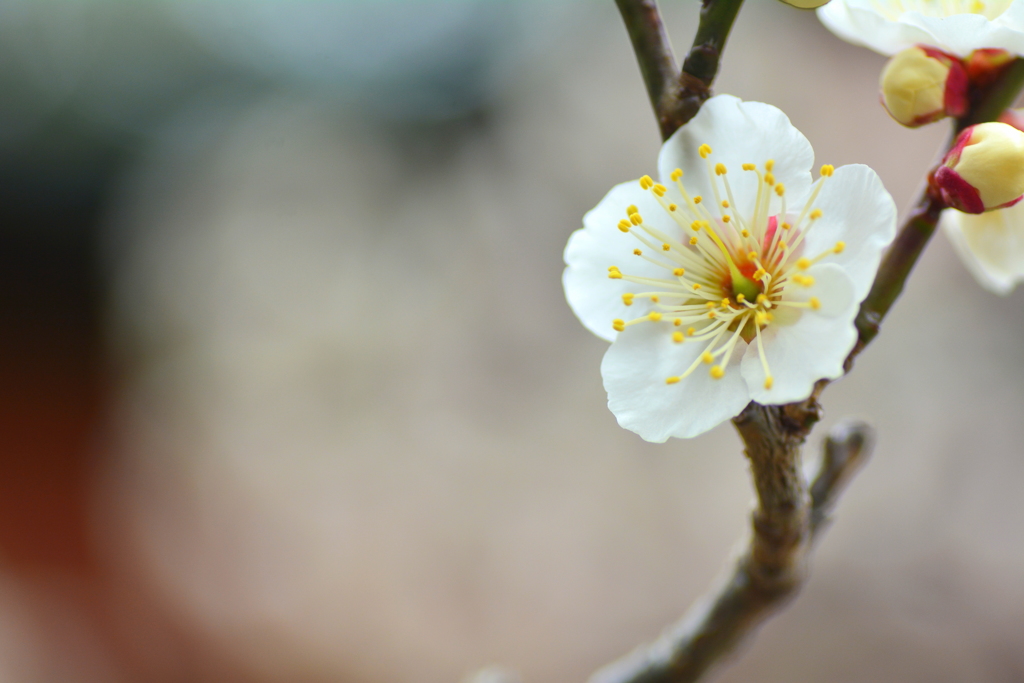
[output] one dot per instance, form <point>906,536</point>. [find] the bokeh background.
<point>289,390</point>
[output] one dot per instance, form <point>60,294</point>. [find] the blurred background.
<point>289,390</point>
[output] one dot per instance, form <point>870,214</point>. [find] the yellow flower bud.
<point>984,170</point>
<point>921,84</point>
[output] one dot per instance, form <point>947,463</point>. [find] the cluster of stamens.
<point>726,274</point>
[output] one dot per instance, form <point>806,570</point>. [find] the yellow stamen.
<point>676,174</point>
<point>827,170</point>
<point>627,299</point>
<point>672,380</point>
<point>659,190</point>
<point>679,272</point>
<point>840,246</point>
<point>646,182</point>
<point>717,372</point>
<point>769,165</point>
<point>677,337</point>
<point>704,151</point>
<point>707,357</point>
<point>619,325</point>
<point>655,316</point>
<point>814,302</point>
<point>720,169</point>
<point>625,225</point>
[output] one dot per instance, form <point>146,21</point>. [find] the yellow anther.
<point>717,372</point>
<point>697,199</point>
<point>625,225</point>
<point>814,302</point>
<point>677,322</point>
<point>676,174</point>
<point>720,169</point>
<point>761,318</point>
<point>710,305</point>
<point>768,382</point>
<point>745,233</point>
<point>655,316</point>
<point>693,240</point>
<point>665,247</point>
<point>659,190</point>
<point>740,298</point>
<point>839,247</point>
<point>707,357</point>
<point>751,255</point>
<point>827,170</point>
<point>726,303</point>
<point>612,269</point>
<point>638,252</point>
<point>654,299</point>
<point>748,167</point>
<point>672,207</point>
<point>631,209</point>
<point>769,178</point>
<point>619,325</point>
<point>808,281</point>
<point>677,337</point>
<point>672,380</point>
<point>786,226</point>
<point>769,165</point>
<point>646,182</point>
<point>816,214</point>
<point>679,272</point>
<point>780,189</point>
<point>803,263</point>
<point>711,314</point>
<point>783,246</point>
<point>696,286</point>
<point>762,298</point>
<point>704,151</point>
<point>635,219</point>
<point>725,204</point>
<point>614,275</point>
<point>690,331</point>
<point>759,273</point>
<point>627,298</point>
<point>726,218</point>
<point>696,225</point>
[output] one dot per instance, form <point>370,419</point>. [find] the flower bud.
<point>922,84</point>
<point>984,170</point>
<point>805,4</point>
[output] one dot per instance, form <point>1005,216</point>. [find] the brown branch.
<point>653,54</point>
<point>772,567</point>
<point>675,95</point>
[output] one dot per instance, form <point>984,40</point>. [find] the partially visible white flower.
<point>957,26</point>
<point>990,244</point>
<point>735,279</point>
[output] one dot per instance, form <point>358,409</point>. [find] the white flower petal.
<point>990,244</point>
<point>593,296</point>
<point>634,371</point>
<point>862,23</point>
<point>856,210</point>
<point>738,133</point>
<point>812,347</point>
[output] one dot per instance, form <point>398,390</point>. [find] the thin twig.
<point>771,568</point>
<point>653,54</point>
<point>675,95</point>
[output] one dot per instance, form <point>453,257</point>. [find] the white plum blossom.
<point>956,26</point>
<point>990,244</point>
<point>736,278</point>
